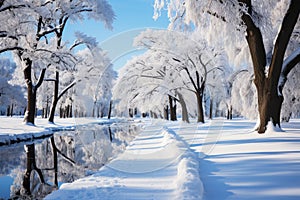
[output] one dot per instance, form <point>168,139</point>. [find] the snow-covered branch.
<point>289,63</point>
<point>66,89</point>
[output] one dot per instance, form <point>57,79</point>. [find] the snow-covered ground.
<point>217,160</point>
<point>13,129</point>
<point>172,160</point>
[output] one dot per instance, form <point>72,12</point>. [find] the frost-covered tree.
<point>263,22</point>
<point>193,61</point>
<point>31,24</point>
<point>147,77</point>
<point>95,75</point>
<point>140,88</point>
<point>98,10</point>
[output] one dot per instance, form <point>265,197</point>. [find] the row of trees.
<point>34,32</point>
<point>254,40</point>
<point>174,68</point>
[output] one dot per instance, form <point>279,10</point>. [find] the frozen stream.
<point>79,153</point>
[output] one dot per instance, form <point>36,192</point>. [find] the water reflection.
<point>65,157</point>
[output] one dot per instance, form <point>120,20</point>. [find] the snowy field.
<point>217,160</point>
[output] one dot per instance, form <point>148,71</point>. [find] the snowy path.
<point>212,161</point>
<point>157,165</point>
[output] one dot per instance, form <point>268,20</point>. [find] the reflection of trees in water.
<point>89,147</point>
<point>8,155</point>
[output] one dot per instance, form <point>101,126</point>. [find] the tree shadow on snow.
<point>214,186</point>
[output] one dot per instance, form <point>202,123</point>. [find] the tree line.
<point>220,42</point>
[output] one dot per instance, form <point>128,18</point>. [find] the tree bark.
<point>31,90</point>
<point>184,111</point>
<point>200,111</point>
<point>166,113</point>
<point>55,98</point>
<point>173,116</point>
<point>211,108</point>
<point>269,101</point>
<point>31,96</point>
<point>109,110</point>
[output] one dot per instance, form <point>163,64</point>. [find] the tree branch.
<point>41,78</point>
<point>289,63</point>
<point>11,49</point>
<point>66,89</point>
<point>283,38</point>
<point>255,43</point>
<point>12,7</point>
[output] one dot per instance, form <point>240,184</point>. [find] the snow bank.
<point>188,182</point>
<point>189,185</point>
<point>13,130</point>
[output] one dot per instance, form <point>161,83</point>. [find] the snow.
<point>220,159</point>
<point>156,165</point>
<point>217,160</point>
<point>13,129</point>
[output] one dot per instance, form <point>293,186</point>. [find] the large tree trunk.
<point>269,101</point>
<point>200,113</point>
<point>31,90</point>
<point>31,96</point>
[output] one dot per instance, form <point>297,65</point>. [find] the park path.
<point>158,164</point>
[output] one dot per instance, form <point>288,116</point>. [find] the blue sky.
<point>132,16</point>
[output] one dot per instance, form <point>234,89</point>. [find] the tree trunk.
<point>12,110</point>
<point>211,109</point>
<point>47,107</point>
<point>130,112</point>
<point>31,93</point>
<point>229,113</point>
<point>71,111</point>
<point>8,111</point>
<point>200,112</point>
<point>55,98</point>
<point>94,110</point>
<point>166,113</point>
<point>173,116</point>
<point>184,111</point>
<point>31,89</point>
<point>109,110</point>
<point>269,101</point>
